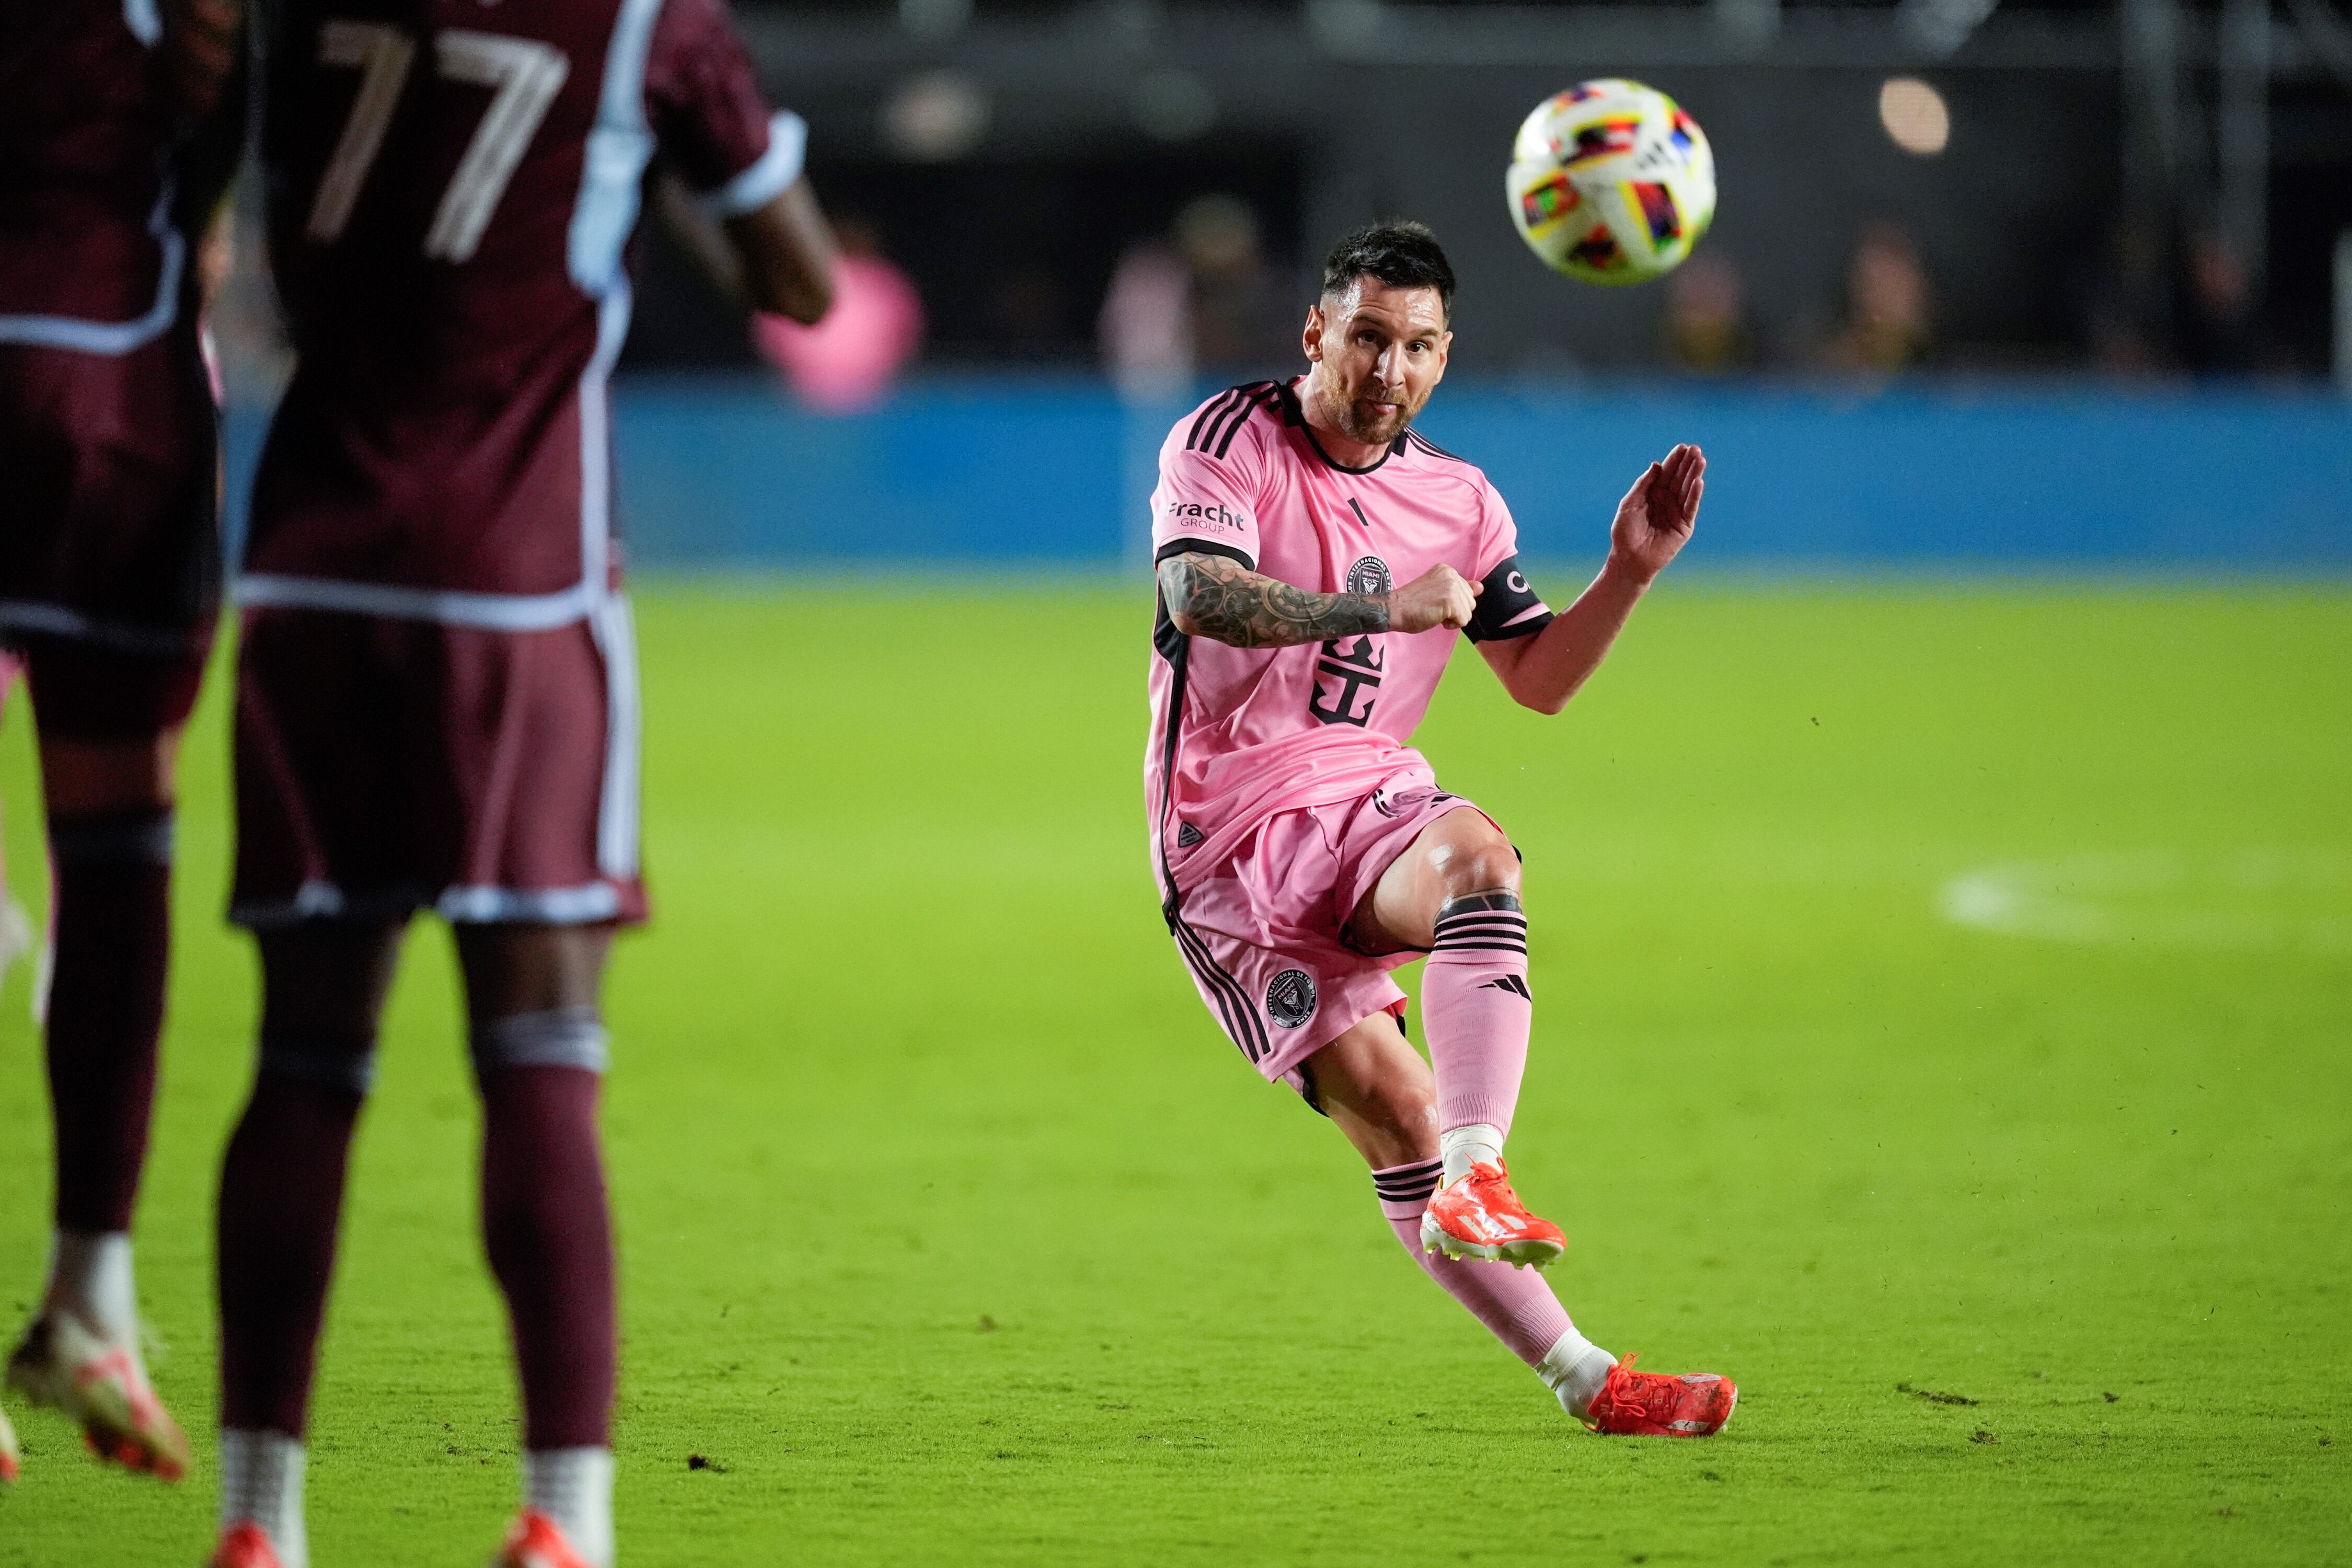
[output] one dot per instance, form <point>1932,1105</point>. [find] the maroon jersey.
<point>108,445</point>
<point>451,189</point>
<point>88,256</point>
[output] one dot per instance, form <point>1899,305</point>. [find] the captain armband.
<point>1508,607</point>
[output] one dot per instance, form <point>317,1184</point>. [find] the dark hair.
<point>1401,253</point>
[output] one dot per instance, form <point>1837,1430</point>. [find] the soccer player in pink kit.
<point>1303,848</point>
<point>437,698</point>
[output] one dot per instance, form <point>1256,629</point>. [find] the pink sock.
<point>1515,1304</point>
<point>1477,1009</point>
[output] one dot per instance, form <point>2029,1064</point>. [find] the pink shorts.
<point>1261,931</point>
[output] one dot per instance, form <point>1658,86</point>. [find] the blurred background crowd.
<point>2139,189</point>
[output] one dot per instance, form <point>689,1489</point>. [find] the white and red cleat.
<point>101,1386</point>
<point>1480,1216</point>
<point>8,1463</point>
<point>245,1545</point>
<point>1658,1404</point>
<point>537,1541</point>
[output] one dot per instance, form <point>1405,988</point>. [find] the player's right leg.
<point>323,985</point>
<point>1383,1098</point>
<point>1453,892</point>
<point>108,724</point>
<point>538,1048</point>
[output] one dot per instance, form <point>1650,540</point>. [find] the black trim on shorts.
<point>1242,1025</point>
<point>1307,1090</point>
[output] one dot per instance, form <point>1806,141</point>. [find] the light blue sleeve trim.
<point>761,183</point>
<point>114,337</point>
<point>619,147</point>
<point>141,17</point>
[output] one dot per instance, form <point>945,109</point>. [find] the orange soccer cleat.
<point>245,1545</point>
<point>1657,1404</point>
<point>101,1385</point>
<point>1480,1216</point>
<point>537,1541</point>
<point>7,1450</point>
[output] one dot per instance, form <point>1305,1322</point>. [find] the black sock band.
<point>1489,922</point>
<point>1408,1184</point>
<point>128,838</point>
<point>346,1062</point>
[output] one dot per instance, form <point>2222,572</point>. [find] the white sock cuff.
<point>262,1480</point>
<point>1575,1368</point>
<point>574,1486</point>
<point>90,1277</point>
<point>1478,1144</point>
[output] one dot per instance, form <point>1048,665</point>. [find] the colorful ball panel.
<point>1611,182</point>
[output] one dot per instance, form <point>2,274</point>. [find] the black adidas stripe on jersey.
<point>1213,431</point>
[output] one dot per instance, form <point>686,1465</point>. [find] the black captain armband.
<point>1509,607</point>
<point>1190,546</point>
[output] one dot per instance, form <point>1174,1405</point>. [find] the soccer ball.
<point>1612,182</point>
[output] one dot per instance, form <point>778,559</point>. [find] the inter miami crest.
<point>1370,576</point>
<point>1290,1000</point>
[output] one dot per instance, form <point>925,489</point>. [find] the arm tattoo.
<point>1229,603</point>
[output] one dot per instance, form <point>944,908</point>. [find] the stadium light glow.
<point>1914,116</point>
<point>935,118</point>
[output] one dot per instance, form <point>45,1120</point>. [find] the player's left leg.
<point>1455,893</point>
<point>108,729</point>
<point>539,1051</point>
<point>1381,1095</point>
<point>1378,1092</point>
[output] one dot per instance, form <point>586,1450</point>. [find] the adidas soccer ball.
<point>1612,182</point>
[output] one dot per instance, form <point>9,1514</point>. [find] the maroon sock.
<point>106,1007</point>
<point>549,1239</point>
<point>281,1198</point>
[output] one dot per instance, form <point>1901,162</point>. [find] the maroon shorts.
<point>109,551</point>
<point>386,765</point>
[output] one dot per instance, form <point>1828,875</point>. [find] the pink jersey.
<point>452,189</point>
<point>1241,733</point>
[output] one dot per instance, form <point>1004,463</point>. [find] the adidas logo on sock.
<point>1511,982</point>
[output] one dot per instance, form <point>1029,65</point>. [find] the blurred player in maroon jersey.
<point>113,152</point>
<point>436,694</point>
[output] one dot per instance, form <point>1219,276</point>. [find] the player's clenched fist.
<point>1440,596</point>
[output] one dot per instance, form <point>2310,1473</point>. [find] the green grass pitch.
<point>953,1232</point>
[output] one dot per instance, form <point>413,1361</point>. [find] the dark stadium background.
<point>2133,246</point>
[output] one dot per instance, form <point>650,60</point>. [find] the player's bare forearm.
<point>701,237</point>
<point>1654,523</point>
<point>776,258</point>
<point>786,249</point>
<point>1213,597</point>
<point>1544,671</point>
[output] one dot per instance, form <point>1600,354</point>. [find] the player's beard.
<point>1359,422</point>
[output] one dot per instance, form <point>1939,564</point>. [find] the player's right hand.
<point>1440,596</point>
